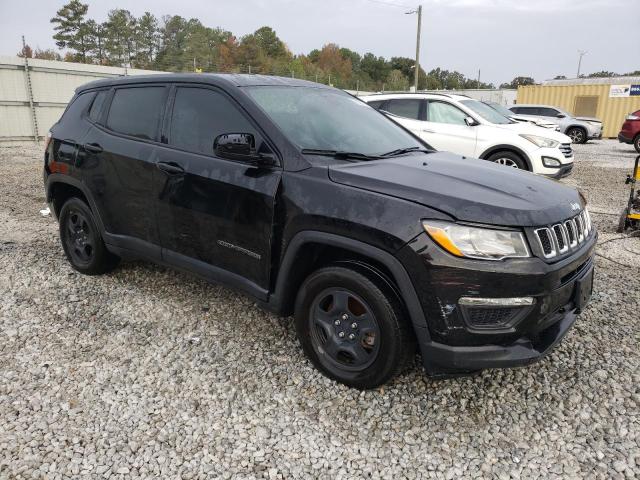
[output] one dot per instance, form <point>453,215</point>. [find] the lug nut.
<point>345,316</point>
<point>354,325</point>
<point>337,322</point>
<point>351,336</point>
<point>341,334</point>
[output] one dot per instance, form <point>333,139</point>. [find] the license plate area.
<point>583,290</point>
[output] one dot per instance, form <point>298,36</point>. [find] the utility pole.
<point>416,73</point>
<point>478,86</point>
<point>581,53</point>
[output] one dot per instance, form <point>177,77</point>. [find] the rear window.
<point>376,104</point>
<point>137,111</point>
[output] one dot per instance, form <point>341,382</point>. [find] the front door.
<point>446,129</point>
<point>215,215</point>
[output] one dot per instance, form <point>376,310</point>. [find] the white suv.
<point>465,126</point>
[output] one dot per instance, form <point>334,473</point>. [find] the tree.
<point>516,82</point>
<point>25,52</point>
<point>396,81</point>
<point>603,74</point>
<point>270,44</point>
<point>120,37</point>
<point>559,77</point>
<point>72,30</point>
<point>48,54</point>
<point>376,67</point>
<point>147,40</point>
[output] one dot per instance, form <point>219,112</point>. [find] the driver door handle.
<point>171,168</point>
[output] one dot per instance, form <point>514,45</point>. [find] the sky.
<point>501,38</point>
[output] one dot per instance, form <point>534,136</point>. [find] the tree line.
<point>177,44</point>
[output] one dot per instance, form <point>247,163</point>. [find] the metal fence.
<point>34,92</point>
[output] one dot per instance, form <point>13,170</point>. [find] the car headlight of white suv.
<point>541,141</point>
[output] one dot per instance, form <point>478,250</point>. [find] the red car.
<point>630,132</point>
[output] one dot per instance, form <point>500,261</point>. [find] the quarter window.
<point>200,115</point>
<point>441,112</point>
<point>96,106</point>
<point>137,111</point>
<point>405,107</point>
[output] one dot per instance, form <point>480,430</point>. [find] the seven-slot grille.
<point>565,236</point>
<point>565,148</point>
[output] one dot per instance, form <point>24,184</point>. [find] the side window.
<point>200,115</point>
<point>137,111</point>
<point>405,107</point>
<point>516,110</point>
<point>441,112</point>
<point>376,104</point>
<point>548,112</point>
<point>96,106</point>
<point>529,111</point>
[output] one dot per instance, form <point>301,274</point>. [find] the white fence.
<point>34,93</point>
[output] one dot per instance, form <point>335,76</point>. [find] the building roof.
<point>594,81</point>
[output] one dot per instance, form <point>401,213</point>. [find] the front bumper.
<point>624,139</point>
<point>563,171</point>
<point>594,132</point>
<point>537,162</point>
<point>454,346</point>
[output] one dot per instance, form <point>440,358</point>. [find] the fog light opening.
<point>550,162</point>
<point>497,302</point>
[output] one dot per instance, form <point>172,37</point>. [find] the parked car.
<point>318,206</point>
<point>462,125</point>
<point>580,129</point>
<point>630,131</point>
<point>504,111</point>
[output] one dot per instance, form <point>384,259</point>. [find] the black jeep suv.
<point>317,205</point>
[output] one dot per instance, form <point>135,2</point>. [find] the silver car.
<point>580,129</point>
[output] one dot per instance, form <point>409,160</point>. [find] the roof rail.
<point>449,95</point>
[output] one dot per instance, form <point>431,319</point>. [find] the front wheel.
<point>636,143</point>
<point>350,329</point>
<point>577,135</point>
<point>508,159</point>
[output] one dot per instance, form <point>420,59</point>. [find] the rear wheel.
<point>577,135</point>
<point>351,329</point>
<point>636,143</point>
<point>81,239</point>
<point>508,159</point>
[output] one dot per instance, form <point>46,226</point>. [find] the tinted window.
<point>441,112</point>
<point>96,106</point>
<point>137,111</point>
<point>200,115</point>
<point>528,110</point>
<point>79,105</point>
<point>405,107</point>
<point>376,104</point>
<point>548,112</point>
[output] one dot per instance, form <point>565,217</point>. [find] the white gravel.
<point>149,373</point>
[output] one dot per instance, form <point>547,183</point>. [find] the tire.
<point>508,159</point>
<point>636,143</point>
<point>81,239</point>
<point>622,221</point>
<point>351,328</point>
<point>577,135</point>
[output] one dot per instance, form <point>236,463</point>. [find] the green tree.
<point>71,28</point>
<point>376,67</point>
<point>519,81</point>
<point>147,40</point>
<point>120,37</point>
<point>603,74</point>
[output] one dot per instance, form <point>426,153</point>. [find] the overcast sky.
<point>503,38</point>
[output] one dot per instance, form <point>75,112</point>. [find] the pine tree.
<point>71,28</point>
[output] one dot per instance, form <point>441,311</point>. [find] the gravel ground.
<point>151,373</point>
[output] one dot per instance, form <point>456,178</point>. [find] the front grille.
<point>566,150</point>
<point>566,236</point>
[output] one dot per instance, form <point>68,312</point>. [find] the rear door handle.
<point>92,147</point>
<point>428,131</point>
<point>171,168</point>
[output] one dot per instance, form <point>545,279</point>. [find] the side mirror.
<point>241,146</point>
<point>470,121</point>
<point>560,115</point>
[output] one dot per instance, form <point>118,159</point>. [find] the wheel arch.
<point>59,188</point>
<point>509,148</point>
<point>309,250</point>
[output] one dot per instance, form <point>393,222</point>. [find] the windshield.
<point>486,112</point>
<point>327,119</point>
<point>501,109</point>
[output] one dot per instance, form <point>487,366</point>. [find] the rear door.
<point>215,215</point>
<point>408,112</point>
<point>446,129</point>
<point>118,159</point>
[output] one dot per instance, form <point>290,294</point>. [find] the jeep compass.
<point>317,205</point>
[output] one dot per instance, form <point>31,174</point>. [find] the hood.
<point>533,129</point>
<point>468,189</point>
<point>589,119</point>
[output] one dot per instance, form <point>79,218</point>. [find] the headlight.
<point>476,242</point>
<point>541,141</point>
<point>631,116</point>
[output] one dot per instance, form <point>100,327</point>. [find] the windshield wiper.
<point>339,154</point>
<point>402,151</point>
